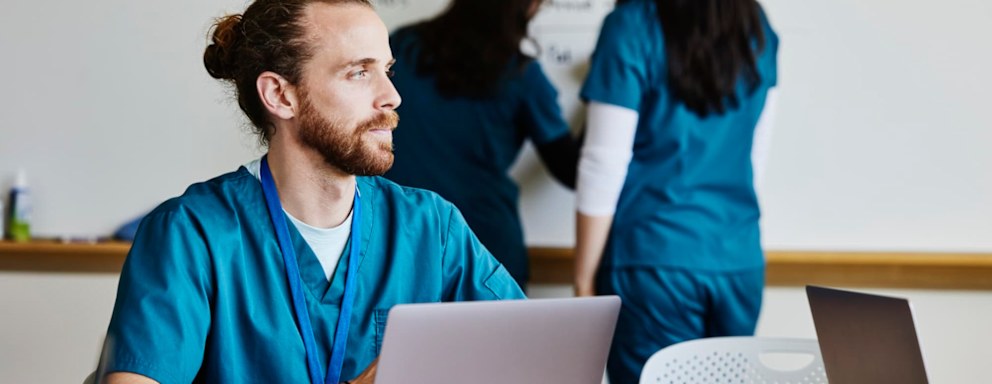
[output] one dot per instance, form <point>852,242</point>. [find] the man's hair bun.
<point>221,56</point>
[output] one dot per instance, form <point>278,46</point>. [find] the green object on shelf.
<point>19,228</point>
<point>20,231</point>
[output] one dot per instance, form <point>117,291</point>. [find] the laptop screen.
<point>866,338</point>
<point>487,342</point>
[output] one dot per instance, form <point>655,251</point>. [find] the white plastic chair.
<point>739,360</point>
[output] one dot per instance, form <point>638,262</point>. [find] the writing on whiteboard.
<point>559,54</point>
<point>391,3</point>
<point>577,5</point>
<point>568,5</point>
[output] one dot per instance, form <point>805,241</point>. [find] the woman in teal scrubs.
<point>667,209</point>
<point>471,99</point>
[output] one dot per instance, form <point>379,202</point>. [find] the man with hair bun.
<point>283,271</point>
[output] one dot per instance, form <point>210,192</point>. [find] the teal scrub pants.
<point>663,306</point>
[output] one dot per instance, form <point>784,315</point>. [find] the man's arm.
<point>168,266</point>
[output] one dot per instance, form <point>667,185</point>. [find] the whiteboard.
<point>880,140</point>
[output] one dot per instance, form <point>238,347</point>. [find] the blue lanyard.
<point>296,286</point>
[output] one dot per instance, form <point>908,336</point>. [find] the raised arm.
<point>540,119</point>
<point>561,157</point>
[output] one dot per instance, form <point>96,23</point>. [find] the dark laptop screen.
<point>866,338</point>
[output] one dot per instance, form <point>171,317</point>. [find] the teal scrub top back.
<point>203,295</point>
<point>462,148</point>
<point>688,200</point>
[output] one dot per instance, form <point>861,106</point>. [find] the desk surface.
<point>555,265</point>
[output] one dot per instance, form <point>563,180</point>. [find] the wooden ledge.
<point>841,269</point>
<point>54,256</point>
<point>554,265</point>
<point>881,270</point>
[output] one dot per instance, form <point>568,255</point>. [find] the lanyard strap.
<point>296,286</point>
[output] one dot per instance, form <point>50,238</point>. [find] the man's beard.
<point>343,147</point>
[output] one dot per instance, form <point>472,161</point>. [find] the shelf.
<point>54,256</point>
<point>840,269</point>
<point>554,265</point>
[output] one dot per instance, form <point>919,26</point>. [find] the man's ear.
<point>277,95</point>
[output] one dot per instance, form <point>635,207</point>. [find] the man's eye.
<point>359,75</point>
<point>390,73</point>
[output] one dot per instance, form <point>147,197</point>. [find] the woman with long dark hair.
<point>471,98</point>
<point>667,210</point>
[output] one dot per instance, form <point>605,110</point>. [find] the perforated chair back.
<point>739,360</point>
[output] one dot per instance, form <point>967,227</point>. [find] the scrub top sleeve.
<point>470,271</point>
<point>540,115</point>
<point>618,72</point>
<point>160,321</point>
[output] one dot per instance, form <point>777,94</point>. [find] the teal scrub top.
<point>688,200</point>
<point>203,295</point>
<point>462,148</point>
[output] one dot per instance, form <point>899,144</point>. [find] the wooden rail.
<point>53,256</point>
<point>841,269</point>
<point>554,265</point>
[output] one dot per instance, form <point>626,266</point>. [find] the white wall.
<point>52,325</point>
<point>880,141</point>
<point>883,132</point>
<point>107,106</point>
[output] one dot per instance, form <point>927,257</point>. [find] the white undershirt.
<point>609,147</point>
<point>327,243</point>
<point>606,154</point>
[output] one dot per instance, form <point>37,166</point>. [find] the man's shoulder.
<point>400,197</point>
<point>401,194</point>
<point>213,195</point>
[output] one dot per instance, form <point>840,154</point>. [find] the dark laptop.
<point>866,338</point>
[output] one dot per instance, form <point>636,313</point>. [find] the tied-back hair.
<point>269,36</point>
<point>469,47</point>
<point>710,46</point>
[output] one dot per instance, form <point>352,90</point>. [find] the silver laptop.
<point>548,341</point>
<point>866,338</point>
